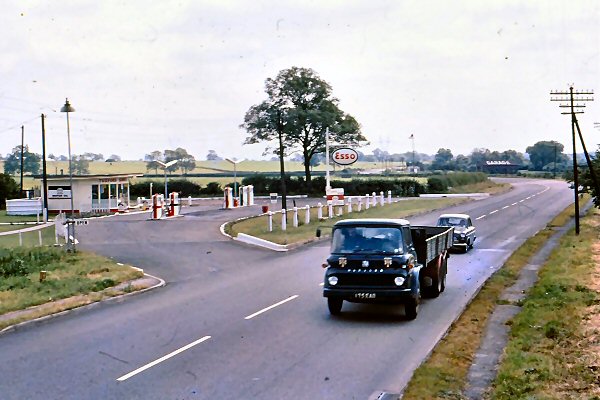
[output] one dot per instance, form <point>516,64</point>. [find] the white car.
<point>464,231</point>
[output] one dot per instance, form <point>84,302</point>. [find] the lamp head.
<point>67,107</point>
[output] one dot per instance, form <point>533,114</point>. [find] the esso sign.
<point>344,156</point>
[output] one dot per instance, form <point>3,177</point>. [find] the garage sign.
<point>344,156</point>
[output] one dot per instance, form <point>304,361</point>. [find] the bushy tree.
<point>9,189</point>
<point>31,161</point>
<point>299,110</point>
<point>543,153</point>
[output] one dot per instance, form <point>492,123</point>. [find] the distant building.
<point>500,167</point>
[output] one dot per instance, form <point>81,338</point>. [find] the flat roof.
<point>83,177</point>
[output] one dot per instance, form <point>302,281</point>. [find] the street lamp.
<point>67,108</point>
<point>234,162</point>
<point>165,166</point>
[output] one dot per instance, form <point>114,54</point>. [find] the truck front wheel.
<point>335,305</point>
<point>411,308</point>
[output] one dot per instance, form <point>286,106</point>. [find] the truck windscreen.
<point>367,239</point>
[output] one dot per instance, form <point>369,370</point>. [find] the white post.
<point>295,219</point>
<point>270,219</point>
<point>189,201</point>
<point>367,201</point>
<point>389,197</point>
<point>307,215</point>
<point>381,199</point>
<point>250,195</point>
<point>327,183</point>
<point>340,209</point>
<point>20,238</point>
<point>374,199</point>
<point>360,200</point>
<point>329,209</point>
<point>349,205</point>
<point>283,219</point>
<point>319,211</point>
<point>40,236</point>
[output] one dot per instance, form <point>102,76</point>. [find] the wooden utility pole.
<point>22,145</point>
<point>574,100</point>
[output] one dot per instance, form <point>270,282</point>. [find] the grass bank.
<point>443,375</point>
<point>79,277</point>
<point>554,347</point>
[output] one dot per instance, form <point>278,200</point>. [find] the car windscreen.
<point>452,221</point>
<point>367,239</point>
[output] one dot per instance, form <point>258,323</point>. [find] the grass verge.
<point>443,374</point>
<point>553,352</point>
<point>258,226</point>
<point>72,279</point>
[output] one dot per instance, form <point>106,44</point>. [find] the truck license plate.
<point>364,295</point>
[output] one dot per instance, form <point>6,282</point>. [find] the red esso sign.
<point>345,156</point>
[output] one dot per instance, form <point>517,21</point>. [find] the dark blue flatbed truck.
<point>385,261</point>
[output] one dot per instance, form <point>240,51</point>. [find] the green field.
<point>202,167</point>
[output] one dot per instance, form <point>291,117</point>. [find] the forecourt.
<point>237,322</point>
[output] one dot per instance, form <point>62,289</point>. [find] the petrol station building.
<point>92,193</point>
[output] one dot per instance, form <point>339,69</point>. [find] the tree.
<point>299,110</point>
<point>213,156</point>
<point>185,161</point>
<point>114,158</point>
<point>543,153</point>
<point>80,165</point>
<point>31,161</point>
<point>151,161</point>
<point>443,160</point>
<point>8,189</point>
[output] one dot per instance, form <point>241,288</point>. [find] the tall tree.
<point>543,153</point>
<point>299,110</point>
<point>443,160</point>
<point>31,161</point>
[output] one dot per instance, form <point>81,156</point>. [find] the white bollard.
<point>359,205</point>
<point>381,199</point>
<point>329,209</point>
<point>283,219</point>
<point>270,219</point>
<point>319,211</point>
<point>307,215</point>
<point>389,197</point>
<point>40,236</point>
<point>295,220</point>
<point>340,209</point>
<point>349,205</point>
<point>189,201</point>
<point>374,199</point>
<point>367,201</point>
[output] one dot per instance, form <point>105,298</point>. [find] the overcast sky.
<point>147,76</point>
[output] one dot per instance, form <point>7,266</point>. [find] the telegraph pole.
<point>574,100</point>
<point>22,145</point>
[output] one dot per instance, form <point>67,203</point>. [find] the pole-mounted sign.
<point>344,156</point>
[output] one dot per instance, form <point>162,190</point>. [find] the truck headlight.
<point>333,280</point>
<point>399,280</point>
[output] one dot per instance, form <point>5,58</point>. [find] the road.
<point>238,322</point>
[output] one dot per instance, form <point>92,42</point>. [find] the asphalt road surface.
<point>238,322</point>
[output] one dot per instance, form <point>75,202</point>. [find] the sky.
<point>145,76</point>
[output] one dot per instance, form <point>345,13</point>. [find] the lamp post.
<point>234,162</point>
<point>67,108</point>
<point>165,166</point>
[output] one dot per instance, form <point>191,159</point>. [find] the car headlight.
<point>333,280</point>
<point>399,280</point>
<point>462,235</point>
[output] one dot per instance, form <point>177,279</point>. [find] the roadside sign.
<point>344,156</point>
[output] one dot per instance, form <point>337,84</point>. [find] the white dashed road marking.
<point>153,363</point>
<point>271,307</point>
